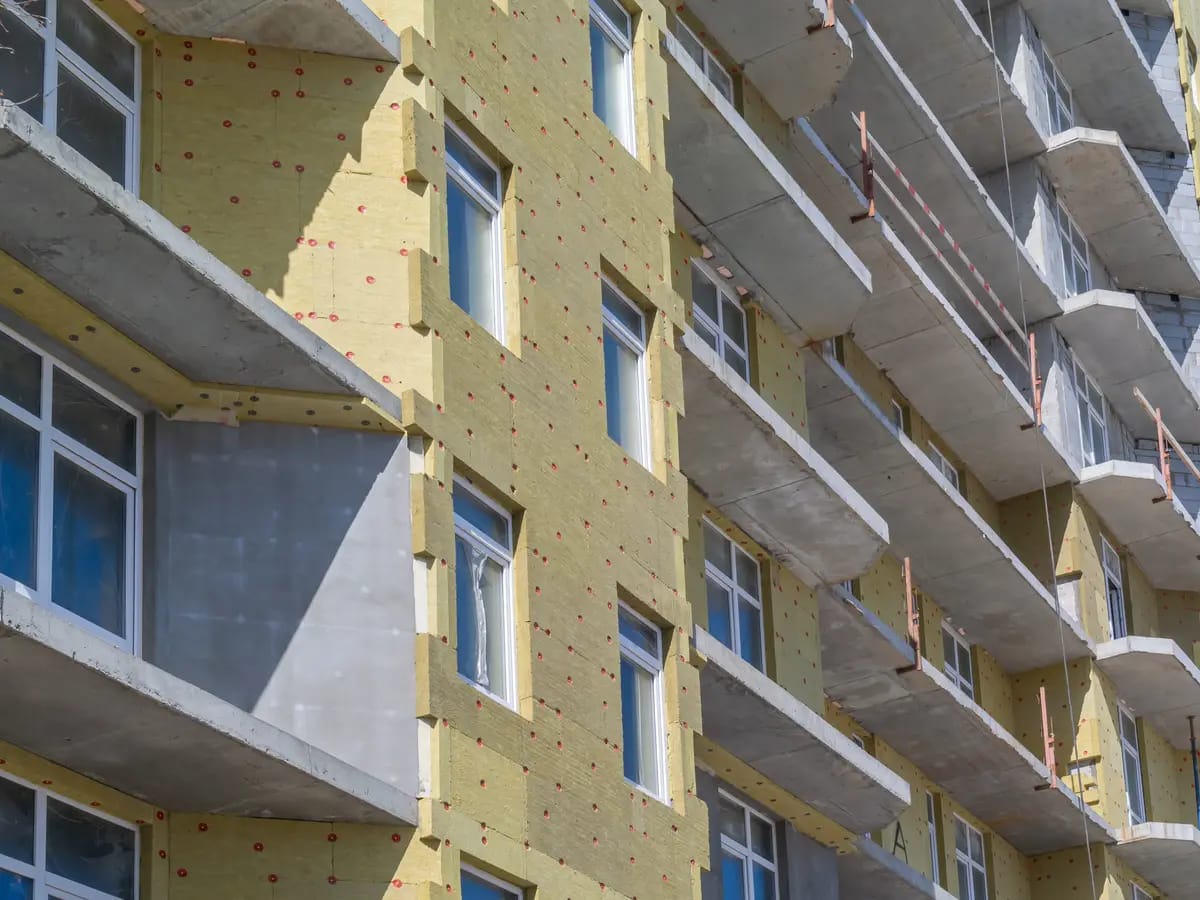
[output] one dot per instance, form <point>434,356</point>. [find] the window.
<point>1053,97</point>
<point>1139,894</point>
<point>748,861</point>
<point>69,463</point>
<point>611,29</point>
<point>969,857</point>
<point>1114,589</point>
<point>733,578</point>
<point>852,587</point>
<point>625,373</point>
<point>473,197</point>
<point>478,886</point>
<point>943,465</point>
<point>75,71</point>
<point>51,849</point>
<point>720,320</point>
<point>900,419</point>
<point>713,70</point>
<point>1089,407</point>
<point>957,664</point>
<point>1077,274</point>
<point>935,842</point>
<point>483,552</point>
<point>1131,753</point>
<point>642,721</point>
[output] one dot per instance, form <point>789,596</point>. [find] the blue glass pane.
<point>89,850</point>
<point>481,517</point>
<point>640,634</point>
<point>764,883</point>
<point>733,885</point>
<point>630,730</point>
<point>14,887</point>
<point>482,172</point>
<point>474,888</point>
<point>472,252</point>
<point>621,310</point>
<point>720,625</point>
<point>466,619</point>
<point>88,575</point>
<point>18,500</point>
<point>94,421</point>
<point>750,633</point>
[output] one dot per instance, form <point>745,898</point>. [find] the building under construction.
<point>544,449</point>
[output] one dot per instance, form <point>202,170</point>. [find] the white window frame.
<point>638,657</point>
<point>967,891</point>
<point>1087,413</point>
<point>707,62</point>
<point>45,881</point>
<point>737,591</point>
<point>53,443</point>
<point>1053,93</point>
<point>935,843</point>
<point>1131,747</point>
<point>493,203</point>
<point>1114,584</point>
<point>622,35</point>
<point>57,51</point>
<point>963,682</point>
<point>1138,893</point>
<point>490,879</point>
<point>944,466</point>
<point>504,557</point>
<point>723,340</point>
<point>638,344</point>
<point>900,419</point>
<point>746,852</point>
<point>1070,236</point>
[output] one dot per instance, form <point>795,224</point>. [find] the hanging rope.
<point>1012,218</point>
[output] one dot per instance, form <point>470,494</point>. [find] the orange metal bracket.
<point>913,614</point>
<point>868,167</point>
<point>1035,380</point>
<point>830,18</point>
<point>1048,738</point>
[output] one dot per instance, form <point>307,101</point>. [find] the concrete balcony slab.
<point>1122,349</point>
<point>909,131</point>
<point>953,740</point>
<point>1157,679</point>
<point>1159,534</point>
<point>1166,854</point>
<point>738,199</point>
<point>78,701</point>
<point>1111,201</point>
<point>340,27</point>
<point>1100,60</point>
<point>760,723</point>
<point>871,873</point>
<point>957,558</point>
<point>763,475</point>
<point>70,224</point>
<point>787,50</point>
<point>952,64</point>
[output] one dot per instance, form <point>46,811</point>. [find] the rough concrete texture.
<point>872,873</point>
<point>1094,49</point>
<point>153,283</point>
<point>84,704</point>
<point>949,58</point>
<point>762,724</point>
<point>737,198</point>
<point>770,481</point>
<point>909,132</point>
<point>1165,853</point>
<point>1157,679</point>
<point>1161,535</point>
<point>1119,346</point>
<point>954,741</point>
<point>1113,205</point>
<point>788,52</point>
<point>342,27</point>
<point>280,563</point>
<point>958,559</point>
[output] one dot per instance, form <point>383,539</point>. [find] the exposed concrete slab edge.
<point>31,136</point>
<point>22,616</point>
